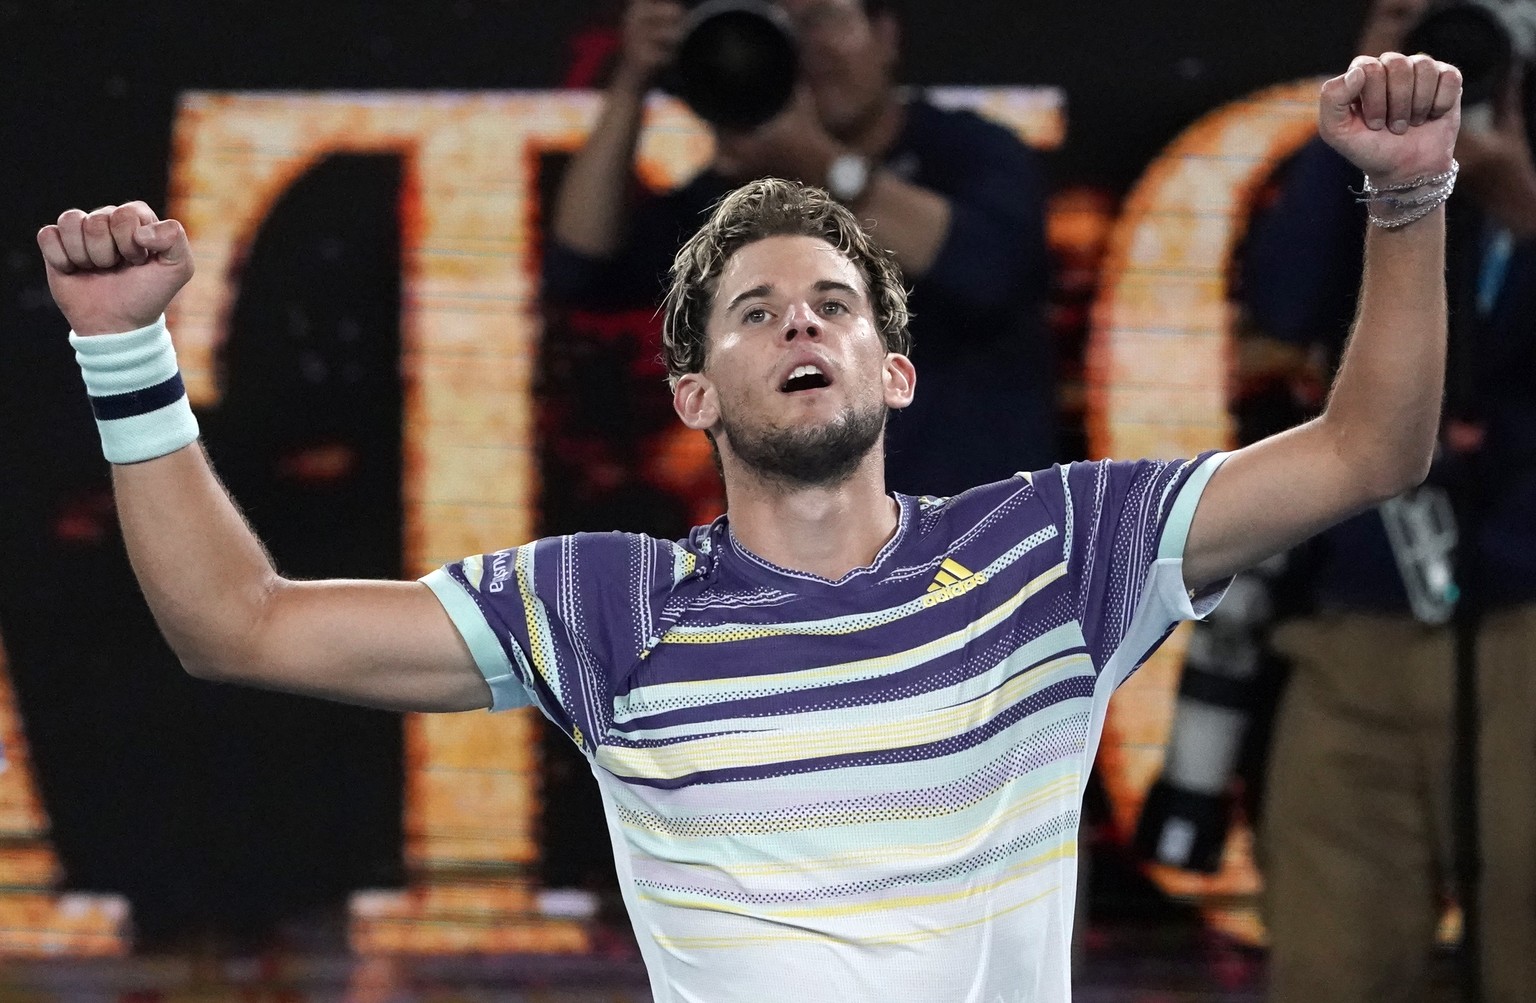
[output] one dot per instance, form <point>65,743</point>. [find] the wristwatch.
<point>848,177</point>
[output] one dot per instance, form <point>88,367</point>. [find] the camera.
<point>1488,40</point>
<point>737,64</point>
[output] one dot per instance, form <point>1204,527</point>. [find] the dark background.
<point>230,809</point>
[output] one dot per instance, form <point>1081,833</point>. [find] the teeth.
<point>805,371</point>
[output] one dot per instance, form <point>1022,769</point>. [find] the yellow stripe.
<point>540,645</point>
<point>732,633</point>
<point>913,851</point>
<point>1022,869</point>
<point>943,578</point>
<point>784,682</point>
<point>764,748</point>
<point>927,933</point>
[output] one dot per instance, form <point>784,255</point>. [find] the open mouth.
<point>804,378</point>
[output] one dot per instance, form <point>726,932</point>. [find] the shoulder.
<point>928,122</point>
<point>612,562</point>
<point>646,559</point>
<point>996,505</point>
<point>962,154</point>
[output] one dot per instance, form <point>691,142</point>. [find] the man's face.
<point>847,59</point>
<point>796,380</point>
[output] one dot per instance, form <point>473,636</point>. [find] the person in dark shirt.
<point>958,199</point>
<point>1356,838</point>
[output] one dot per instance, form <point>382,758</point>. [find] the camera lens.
<point>737,64</point>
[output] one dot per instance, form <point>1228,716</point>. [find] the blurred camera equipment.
<point>737,64</point>
<point>1185,820</point>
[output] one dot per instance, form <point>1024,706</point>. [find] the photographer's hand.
<point>652,31</point>
<point>910,221</point>
<point>1496,166</point>
<point>793,145</point>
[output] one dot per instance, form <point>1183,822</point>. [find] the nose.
<point>801,321</point>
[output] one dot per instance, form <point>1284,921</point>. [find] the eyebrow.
<point>825,285</point>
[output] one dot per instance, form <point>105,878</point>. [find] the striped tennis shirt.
<point>860,790</point>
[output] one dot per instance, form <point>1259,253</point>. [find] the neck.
<point>824,530</point>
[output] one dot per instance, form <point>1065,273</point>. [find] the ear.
<point>695,401</point>
<point>900,381</point>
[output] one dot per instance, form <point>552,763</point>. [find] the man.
<point>1357,834</point>
<point>841,735</point>
<point>959,200</point>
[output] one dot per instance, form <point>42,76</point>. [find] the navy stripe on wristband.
<point>141,405</point>
<point>139,402</point>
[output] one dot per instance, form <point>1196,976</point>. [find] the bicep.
<point>1268,497</point>
<point>379,644</point>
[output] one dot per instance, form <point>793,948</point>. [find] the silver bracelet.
<point>1392,211</point>
<point>1408,186</point>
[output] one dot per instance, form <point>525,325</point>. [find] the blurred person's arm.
<point>224,609</point>
<point>1496,165</point>
<point>591,207</point>
<point>911,221</point>
<point>979,242</point>
<point>1301,258</point>
<point>1377,434</point>
<point>993,249</point>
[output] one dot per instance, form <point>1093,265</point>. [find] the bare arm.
<point>229,616</point>
<point>225,611</point>
<point>590,208</point>
<point>909,220</point>
<point>1376,437</point>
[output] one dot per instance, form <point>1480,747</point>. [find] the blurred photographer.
<point>958,199</point>
<point>1360,809</point>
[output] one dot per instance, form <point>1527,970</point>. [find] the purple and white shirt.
<point>857,790</point>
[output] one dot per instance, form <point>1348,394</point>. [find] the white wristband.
<point>136,392</point>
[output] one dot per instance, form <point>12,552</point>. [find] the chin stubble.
<point>809,457</point>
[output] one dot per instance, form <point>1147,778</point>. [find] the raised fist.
<point>1394,116</point>
<point>115,269</point>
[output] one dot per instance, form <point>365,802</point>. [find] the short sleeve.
<point>1124,528</point>
<point>556,622</point>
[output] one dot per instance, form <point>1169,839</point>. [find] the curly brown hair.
<point>772,208</point>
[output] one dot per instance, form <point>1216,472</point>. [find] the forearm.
<point>911,221</point>
<point>590,208</point>
<point>1383,414</point>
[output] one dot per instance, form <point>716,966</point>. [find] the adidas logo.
<point>954,579</point>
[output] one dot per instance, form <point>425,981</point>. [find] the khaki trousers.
<point>1355,842</point>
<point>1506,796</point>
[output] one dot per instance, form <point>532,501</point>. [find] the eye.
<point>755,315</point>
<point>834,307</point>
